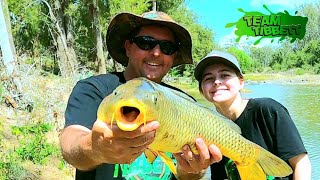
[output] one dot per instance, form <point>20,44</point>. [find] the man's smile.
<point>152,63</point>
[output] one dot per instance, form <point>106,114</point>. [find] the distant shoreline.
<point>282,78</point>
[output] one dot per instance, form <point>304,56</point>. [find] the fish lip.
<point>125,122</point>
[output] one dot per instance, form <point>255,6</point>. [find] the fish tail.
<point>266,164</point>
<point>271,164</point>
<point>252,172</point>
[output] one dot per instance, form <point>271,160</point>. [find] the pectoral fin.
<point>169,162</point>
<point>150,155</point>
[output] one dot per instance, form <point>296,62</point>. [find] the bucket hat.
<point>216,57</point>
<point>124,23</point>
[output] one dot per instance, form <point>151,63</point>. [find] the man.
<point>148,45</point>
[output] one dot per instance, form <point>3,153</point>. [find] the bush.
<point>34,145</point>
<point>10,167</point>
<point>300,71</point>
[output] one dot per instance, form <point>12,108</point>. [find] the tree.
<point>9,56</point>
<point>99,46</point>
<point>202,37</point>
<point>310,10</point>
<point>63,37</point>
<point>245,61</point>
<point>261,56</point>
<point>6,40</point>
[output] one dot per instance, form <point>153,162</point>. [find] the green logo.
<point>282,25</point>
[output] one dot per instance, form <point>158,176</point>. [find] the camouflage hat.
<point>124,23</point>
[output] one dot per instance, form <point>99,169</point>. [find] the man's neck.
<point>128,76</point>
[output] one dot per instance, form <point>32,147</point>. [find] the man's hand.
<point>86,149</point>
<point>189,164</point>
<point>115,146</point>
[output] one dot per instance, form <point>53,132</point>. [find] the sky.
<point>215,14</point>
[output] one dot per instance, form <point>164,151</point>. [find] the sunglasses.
<point>148,43</point>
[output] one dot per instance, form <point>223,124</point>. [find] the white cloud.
<point>245,41</point>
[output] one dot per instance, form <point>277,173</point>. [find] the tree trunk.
<point>6,40</point>
<point>63,37</point>
<point>11,78</point>
<point>99,45</point>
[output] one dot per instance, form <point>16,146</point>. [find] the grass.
<point>283,77</point>
<point>33,144</point>
<point>29,141</point>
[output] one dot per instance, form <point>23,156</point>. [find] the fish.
<point>182,120</point>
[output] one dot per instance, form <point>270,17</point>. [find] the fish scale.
<point>182,120</point>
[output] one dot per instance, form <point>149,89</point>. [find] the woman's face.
<point>220,83</point>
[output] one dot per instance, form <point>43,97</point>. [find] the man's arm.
<point>86,149</point>
<point>74,149</point>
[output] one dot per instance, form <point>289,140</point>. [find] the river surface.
<point>303,104</point>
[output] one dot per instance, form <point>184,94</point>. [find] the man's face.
<point>152,64</point>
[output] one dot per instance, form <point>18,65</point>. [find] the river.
<point>303,104</point>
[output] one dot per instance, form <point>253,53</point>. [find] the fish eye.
<point>115,93</point>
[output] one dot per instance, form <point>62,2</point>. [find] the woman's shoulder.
<point>265,103</point>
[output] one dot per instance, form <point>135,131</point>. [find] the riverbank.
<point>282,78</point>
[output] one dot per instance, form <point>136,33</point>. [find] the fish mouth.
<point>128,118</point>
<point>129,113</point>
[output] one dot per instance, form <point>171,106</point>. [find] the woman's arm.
<point>301,167</point>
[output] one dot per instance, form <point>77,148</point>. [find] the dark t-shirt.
<point>82,109</point>
<point>267,123</point>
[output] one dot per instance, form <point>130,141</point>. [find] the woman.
<point>262,120</point>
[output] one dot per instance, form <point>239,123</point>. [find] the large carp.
<point>182,120</point>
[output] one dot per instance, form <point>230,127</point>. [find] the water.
<point>303,104</point>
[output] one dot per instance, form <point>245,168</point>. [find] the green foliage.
<point>174,72</point>
<point>168,5</point>
<point>245,61</point>
<point>39,128</point>
<point>10,167</point>
<point>300,71</point>
<point>62,164</point>
<point>310,10</point>
<point>261,56</point>
<point>36,149</point>
<point>2,90</point>
<point>34,145</point>
<point>28,26</point>
<point>202,37</point>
